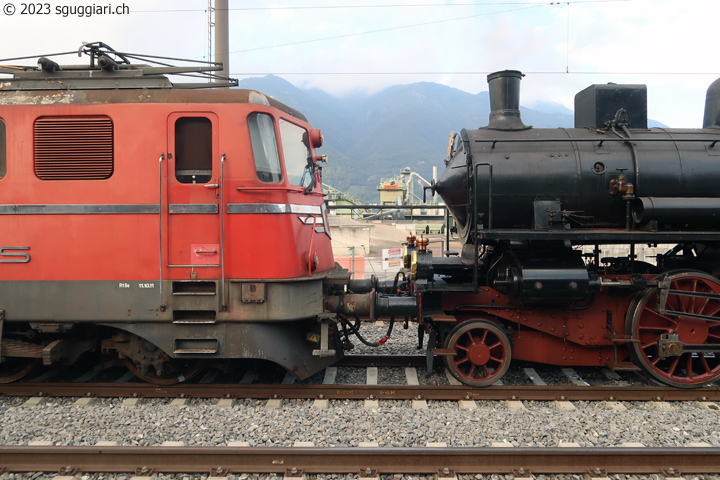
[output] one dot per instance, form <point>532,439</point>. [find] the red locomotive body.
<point>186,224</point>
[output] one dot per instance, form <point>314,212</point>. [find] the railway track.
<point>539,391</point>
<point>369,462</point>
<point>356,392</point>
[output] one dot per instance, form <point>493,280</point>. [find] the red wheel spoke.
<point>714,311</point>
<point>703,362</point>
<point>657,316</point>
<point>673,365</point>
<point>700,305</point>
<point>690,303</point>
<point>482,352</point>
<point>648,345</point>
<point>688,369</point>
<point>652,330</point>
<point>496,344</point>
<point>673,303</point>
<point>689,366</point>
<point>687,285</point>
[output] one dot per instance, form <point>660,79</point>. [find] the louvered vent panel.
<point>73,148</point>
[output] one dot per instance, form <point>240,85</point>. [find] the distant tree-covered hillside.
<point>369,137</point>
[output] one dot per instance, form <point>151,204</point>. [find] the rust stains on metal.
<point>354,392</point>
<point>470,460</point>
<point>49,97</point>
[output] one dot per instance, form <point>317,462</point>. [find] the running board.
<point>194,346</point>
<point>622,366</point>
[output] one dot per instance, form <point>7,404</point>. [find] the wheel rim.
<point>688,369</point>
<point>482,353</point>
<point>15,368</point>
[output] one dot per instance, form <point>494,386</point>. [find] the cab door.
<point>193,182</point>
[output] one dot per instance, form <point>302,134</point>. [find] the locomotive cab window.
<point>296,151</point>
<point>3,150</point>
<point>264,146</point>
<point>193,150</point>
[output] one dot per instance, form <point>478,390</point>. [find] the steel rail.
<point>359,392</point>
<point>354,459</point>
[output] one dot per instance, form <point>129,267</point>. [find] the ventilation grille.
<point>73,148</point>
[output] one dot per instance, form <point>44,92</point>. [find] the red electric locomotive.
<point>159,222</point>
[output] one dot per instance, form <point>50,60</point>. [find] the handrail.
<point>476,285</point>
<point>600,140</point>
<point>222,209</point>
<point>160,213</point>
<point>430,206</point>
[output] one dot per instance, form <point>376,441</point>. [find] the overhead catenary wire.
<point>388,29</point>
<point>479,72</point>
<point>371,6</point>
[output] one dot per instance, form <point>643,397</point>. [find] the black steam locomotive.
<point>535,209</point>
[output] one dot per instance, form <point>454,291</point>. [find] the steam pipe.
<point>684,210</point>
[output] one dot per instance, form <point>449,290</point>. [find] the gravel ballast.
<point>346,423</point>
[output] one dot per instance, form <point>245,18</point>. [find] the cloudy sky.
<point>342,46</point>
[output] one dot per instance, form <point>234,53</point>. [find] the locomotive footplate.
<point>670,345</point>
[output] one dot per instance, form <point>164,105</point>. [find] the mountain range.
<point>371,137</point>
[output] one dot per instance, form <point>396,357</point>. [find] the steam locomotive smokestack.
<point>712,105</point>
<point>504,89</point>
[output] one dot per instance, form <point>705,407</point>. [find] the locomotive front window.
<point>296,151</point>
<point>3,150</point>
<point>193,150</point>
<point>264,146</point>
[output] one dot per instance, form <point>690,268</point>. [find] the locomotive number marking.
<point>140,285</point>
<point>11,255</point>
